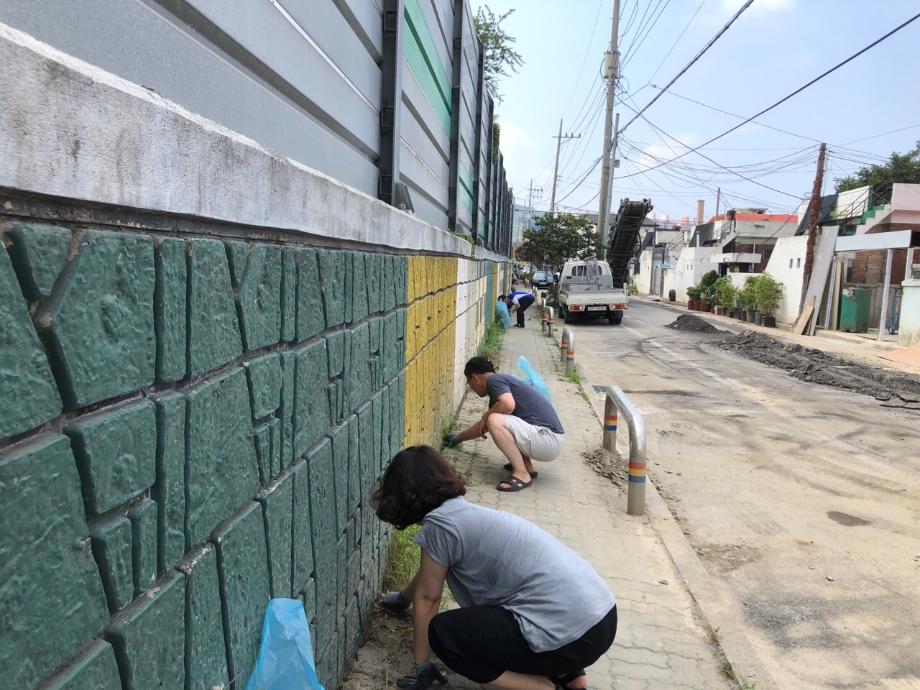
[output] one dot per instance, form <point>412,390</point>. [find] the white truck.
<point>586,290</point>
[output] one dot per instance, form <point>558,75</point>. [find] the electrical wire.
<point>674,45</point>
<point>690,64</point>
<point>793,93</point>
<point>635,49</point>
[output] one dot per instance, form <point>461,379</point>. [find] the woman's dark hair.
<point>417,481</point>
<point>478,365</point>
<point>501,298</point>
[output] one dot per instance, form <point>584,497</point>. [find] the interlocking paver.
<point>660,642</point>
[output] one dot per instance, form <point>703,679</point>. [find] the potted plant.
<point>707,290</point>
<point>725,294</point>
<point>693,298</point>
<point>767,295</point>
<point>738,311</point>
<point>748,303</point>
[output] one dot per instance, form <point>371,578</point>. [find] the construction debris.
<point>693,324</point>
<point>816,366</point>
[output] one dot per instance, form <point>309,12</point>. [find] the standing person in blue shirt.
<point>533,613</point>
<point>519,301</point>
<point>523,424</point>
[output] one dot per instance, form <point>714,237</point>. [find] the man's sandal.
<point>533,475</point>
<point>514,483</point>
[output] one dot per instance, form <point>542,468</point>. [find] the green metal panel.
<point>423,59</point>
<point>854,310</point>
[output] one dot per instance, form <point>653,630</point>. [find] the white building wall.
<point>786,265</point>
<point>689,267</point>
<point>644,277</point>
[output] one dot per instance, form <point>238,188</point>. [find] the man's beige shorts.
<point>536,442</point>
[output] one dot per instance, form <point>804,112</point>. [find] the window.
<point>798,263</point>
<point>790,263</point>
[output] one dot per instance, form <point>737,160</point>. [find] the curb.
<point>721,616</point>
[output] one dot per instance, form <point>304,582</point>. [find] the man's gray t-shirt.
<point>499,559</point>
<point>529,403</point>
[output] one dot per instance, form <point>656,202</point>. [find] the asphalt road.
<point>802,501</point>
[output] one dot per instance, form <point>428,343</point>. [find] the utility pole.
<point>718,199</point>
<point>611,72</point>
<point>530,194</point>
<point>814,215</point>
<point>559,138</point>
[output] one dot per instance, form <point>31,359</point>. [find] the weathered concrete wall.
<point>208,354</point>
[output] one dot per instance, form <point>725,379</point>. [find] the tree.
<point>498,54</point>
<point>900,167</point>
<point>557,238</point>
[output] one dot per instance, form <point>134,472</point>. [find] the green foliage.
<point>405,557</point>
<point>499,55</point>
<point>557,238</point>
<point>492,342</point>
<point>900,167</point>
<point>767,294</point>
<point>694,292</point>
<point>725,292</point>
<point>496,140</point>
<point>708,285</point>
<point>632,289</point>
<point>748,296</point>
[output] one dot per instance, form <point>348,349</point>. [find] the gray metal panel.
<point>365,17</point>
<point>149,46</point>
<point>432,180</point>
<point>430,122</point>
<point>286,49</point>
<point>417,138</point>
<point>442,42</point>
<point>324,22</point>
<point>444,15</point>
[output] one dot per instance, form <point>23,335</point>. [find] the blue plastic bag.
<point>502,315</point>
<point>285,659</point>
<point>530,376</point>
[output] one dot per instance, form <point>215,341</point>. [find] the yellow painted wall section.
<point>430,337</point>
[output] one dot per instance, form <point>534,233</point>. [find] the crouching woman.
<point>533,613</point>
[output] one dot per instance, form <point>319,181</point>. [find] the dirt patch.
<point>816,366</point>
<point>728,557</point>
<point>693,324</point>
<point>607,465</point>
<point>847,520</point>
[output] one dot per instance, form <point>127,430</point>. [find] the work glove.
<point>395,603</point>
<point>424,677</point>
<point>451,441</point>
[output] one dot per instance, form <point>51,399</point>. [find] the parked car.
<point>542,279</point>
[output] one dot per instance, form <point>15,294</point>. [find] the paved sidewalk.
<point>661,643</point>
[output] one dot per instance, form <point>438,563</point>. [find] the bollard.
<point>615,401</point>
<point>564,345</point>
<point>550,321</point>
<point>569,352</point>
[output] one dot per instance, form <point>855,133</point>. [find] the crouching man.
<point>523,424</point>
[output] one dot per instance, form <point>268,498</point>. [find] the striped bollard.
<point>570,354</point>
<point>610,425</point>
<point>616,402</point>
<point>550,321</point>
<point>564,345</point>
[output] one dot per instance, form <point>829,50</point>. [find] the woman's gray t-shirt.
<point>499,559</point>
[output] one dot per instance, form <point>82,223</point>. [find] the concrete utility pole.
<point>533,190</point>
<point>814,215</point>
<point>718,199</point>
<point>611,72</point>
<point>558,138</point>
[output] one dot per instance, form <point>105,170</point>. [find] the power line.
<point>692,62</point>
<point>876,136</point>
<point>792,94</point>
<point>633,50</point>
<point>674,45</point>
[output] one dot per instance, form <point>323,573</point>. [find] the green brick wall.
<point>188,426</point>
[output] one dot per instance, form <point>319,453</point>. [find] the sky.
<point>774,47</point>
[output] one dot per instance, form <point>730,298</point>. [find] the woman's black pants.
<point>523,303</point>
<point>482,642</point>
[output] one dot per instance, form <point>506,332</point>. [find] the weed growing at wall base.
<point>405,556</point>
<point>492,342</point>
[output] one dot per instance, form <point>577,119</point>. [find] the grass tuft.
<point>492,343</point>
<point>405,556</point>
